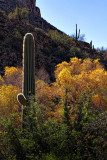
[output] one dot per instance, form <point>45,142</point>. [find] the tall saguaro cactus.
<point>28,71</point>
<point>91,44</point>
<point>77,34</point>
<point>28,65</point>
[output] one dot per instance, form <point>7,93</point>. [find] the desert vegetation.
<point>68,119</point>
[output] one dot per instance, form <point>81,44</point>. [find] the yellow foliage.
<point>96,64</point>
<point>10,70</point>
<point>42,89</point>
<point>9,88</point>
<point>83,77</point>
<point>75,65</point>
<point>1,80</point>
<point>96,100</point>
<point>60,66</point>
<point>8,100</point>
<point>87,65</point>
<point>77,77</point>
<point>13,76</point>
<point>65,78</point>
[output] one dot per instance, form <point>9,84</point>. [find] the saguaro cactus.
<point>91,44</point>
<point>28,84</point>
<point>77,34</point>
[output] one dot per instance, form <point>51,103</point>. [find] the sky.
<point>89,15</point>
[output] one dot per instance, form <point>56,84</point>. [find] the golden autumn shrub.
<point>65,78</point>
<point>13,75</point>
<point>10,86</point>
<point>85,77</point>
<point>8,100</point>
<point>1,80</point>
<point>76,77</point>
<point>44,98</point>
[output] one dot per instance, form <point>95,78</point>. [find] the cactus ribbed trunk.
<point>28,66</point>
<point>76,32</point>
<point>28,84</point>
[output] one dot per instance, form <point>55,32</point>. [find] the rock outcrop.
<point>10,5</point>
<point>13,30</point>
<point>34,12</point>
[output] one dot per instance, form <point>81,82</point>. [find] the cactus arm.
<point>79,34</point>
<point>22,99</point>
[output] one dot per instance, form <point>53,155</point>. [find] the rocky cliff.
<point>12,32</point>
<point>10,5</point>
<point>11,39</point>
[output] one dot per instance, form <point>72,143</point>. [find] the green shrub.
<point>19,13</point>
<point>44,139</point>
<point>61,38</point>
<point>2,13</point>
<point>77,52</point>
